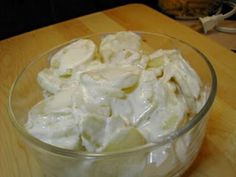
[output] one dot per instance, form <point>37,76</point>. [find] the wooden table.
<point>228,40</point>
<point>218,155</point>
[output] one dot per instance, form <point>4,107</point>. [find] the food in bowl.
<point>117,108</point>
<point>116,98</point>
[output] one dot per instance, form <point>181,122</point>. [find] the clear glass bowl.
<point>171,155</point>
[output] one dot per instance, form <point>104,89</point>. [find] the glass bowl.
<point>170,155</point>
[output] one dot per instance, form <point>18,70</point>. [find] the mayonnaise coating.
<point>126,94</point>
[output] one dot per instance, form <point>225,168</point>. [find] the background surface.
<point>19,16</point>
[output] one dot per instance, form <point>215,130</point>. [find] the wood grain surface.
<point>228,40</point>
<point>217,157</point>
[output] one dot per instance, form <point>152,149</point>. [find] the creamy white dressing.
<point>97,101</point>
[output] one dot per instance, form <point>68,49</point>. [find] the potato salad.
<point>113,96</point>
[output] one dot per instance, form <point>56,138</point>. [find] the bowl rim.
<point>144,148</point>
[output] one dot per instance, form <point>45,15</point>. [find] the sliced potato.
<point>125,139</point>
